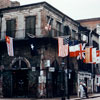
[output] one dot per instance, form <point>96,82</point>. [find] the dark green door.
<point>7,84</point>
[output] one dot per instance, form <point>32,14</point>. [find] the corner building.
<point>35,72</point>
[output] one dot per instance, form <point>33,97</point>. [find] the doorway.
<point>20,83</point>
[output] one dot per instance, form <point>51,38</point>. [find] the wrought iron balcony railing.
<point>38,32</point>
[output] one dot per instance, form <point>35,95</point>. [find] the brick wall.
<point>15,3</point>
<point>8,3</point>
<point>90,23</point>
<point>5,3</point>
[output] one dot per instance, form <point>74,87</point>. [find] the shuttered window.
<point>30,25</point>
<point>58,28</point>
<point>11,27</point>
<point>66,31</point>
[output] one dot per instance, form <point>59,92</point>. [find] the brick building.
<point>92,24</point>
<point>5,3</point>
<point>38,72</point>
<point>8,3</point>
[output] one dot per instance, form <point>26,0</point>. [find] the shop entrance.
<point>20,69</point>
<point>20,83</point>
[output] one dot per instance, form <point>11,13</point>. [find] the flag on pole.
<point>9,42</point>
<point>63,47</point>
<point>48,26</point>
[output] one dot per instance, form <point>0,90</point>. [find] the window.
<point>58,28</point>
<point>30,25</point>
<point>66,30</point>
<point>50,22</point>
<point>73,34</point>
<point>11,27</point>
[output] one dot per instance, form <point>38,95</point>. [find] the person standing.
<point>85,90</point>
<point>81,89</point>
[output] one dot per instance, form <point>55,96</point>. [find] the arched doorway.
<point>20,67</point>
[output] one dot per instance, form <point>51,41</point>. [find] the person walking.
<point>81,90</point>
<point>85,89</point>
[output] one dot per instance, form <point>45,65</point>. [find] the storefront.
<point>85,77</point>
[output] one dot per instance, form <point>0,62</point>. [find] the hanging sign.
<point>33,69</point>
<point>47,63</point>
<point>51,69</point>
<point>42,79</point>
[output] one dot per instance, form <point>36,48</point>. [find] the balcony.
<point>37,32</point>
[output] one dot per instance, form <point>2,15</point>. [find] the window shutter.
<point>11,27</point>
<point>30,24</point>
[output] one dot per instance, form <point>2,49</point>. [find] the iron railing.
<point>24,33</point>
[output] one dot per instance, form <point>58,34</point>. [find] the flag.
<point>48,26</point>
<point>9,42</point>
<point>74,50</point>
<point>88,55</point>
<point>94,58</point>
<point>81,51</point>
<point>98,56</point>
<point>63,47</point>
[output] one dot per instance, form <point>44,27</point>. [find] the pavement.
<point>91,97</point>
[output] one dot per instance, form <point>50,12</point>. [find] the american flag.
<point>65,41</point>
<point>63,47</point>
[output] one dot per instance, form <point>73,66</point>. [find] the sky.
<point>76,9</point>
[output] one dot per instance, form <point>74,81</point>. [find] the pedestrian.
<point>85,89</point>
<point>81,90</point>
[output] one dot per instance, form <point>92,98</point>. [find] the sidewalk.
<point>71,98</point>
<point>95,95</point>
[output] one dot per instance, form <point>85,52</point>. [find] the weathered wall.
<point>8,3</point>
<point>51,52</point>
<point>90,24</point>
<point>41,15</point>
<point>5,3</point>
<point>20,21</point>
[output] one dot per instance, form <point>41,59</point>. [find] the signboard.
<point>33,69</point>
<point>51,69</point>
<point>41,72</point>
<point>47,63</point>
<point>42,79</point>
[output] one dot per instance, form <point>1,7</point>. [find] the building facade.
<point>36,72</point>
<point>93,24</point>
<point>8,3</point>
